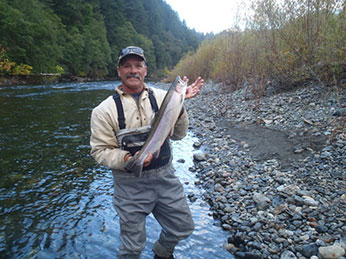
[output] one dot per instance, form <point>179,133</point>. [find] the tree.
<point>30,32</point>
<point>84,37</point>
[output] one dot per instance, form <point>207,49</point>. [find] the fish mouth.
<point>180,86</point>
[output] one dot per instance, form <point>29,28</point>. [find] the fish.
<point>162,127</point>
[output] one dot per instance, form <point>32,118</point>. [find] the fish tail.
<point>133,167</point>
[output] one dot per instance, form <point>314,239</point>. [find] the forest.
<point>283,43</point>
<point>83,37</point>
<point>273,42</point>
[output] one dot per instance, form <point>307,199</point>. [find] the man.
<point>158,190</point>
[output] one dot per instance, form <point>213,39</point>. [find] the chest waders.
<point>132,140</point>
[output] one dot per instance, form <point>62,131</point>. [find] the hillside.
<point>83,38</point>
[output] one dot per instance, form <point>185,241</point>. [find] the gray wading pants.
<point>156,191</point>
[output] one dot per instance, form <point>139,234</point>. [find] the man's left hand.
<point>193,89</point>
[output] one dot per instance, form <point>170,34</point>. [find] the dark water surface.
<point>55,201</point>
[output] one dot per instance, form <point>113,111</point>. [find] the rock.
<point>219,188</point>
<point>236,240</point>
<point>304,237</point>
<point>343,198</point>
<point>197,144</point>
<point>279,209</point>
<point>286,199</point>
<point>227,227</point>
<point>277,201</point>
<point>325,154</point>
<point>290,189</point>
<point>230,248</point>
<point>259,197</point>
<point>228,209</point>
<point>247,255</point>
<point>309,250</point>
<point>267,121</point>
<point>262,205</point>
<point>288,255</point>
<point>298,150</point>
<point>181,160</point>
<point>309,201</point>
<point>257,226</point>
<point>340,112</point>
<point>331,252</point>
<point>321,229</point>
<point>200,155</point>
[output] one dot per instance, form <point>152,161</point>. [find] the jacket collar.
<point>121,92</point>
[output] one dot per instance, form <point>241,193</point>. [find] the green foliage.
<point>59,69</point>
<point>289,41</point>
<point>29,30</point>
<point>21,69</point>
<point>8,67</point>
<point>85,36</point>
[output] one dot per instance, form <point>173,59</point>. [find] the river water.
<point>55,201</point>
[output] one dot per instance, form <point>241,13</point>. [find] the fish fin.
<point>172,132</point>
<point>156,153</point>
<point>133,167</point>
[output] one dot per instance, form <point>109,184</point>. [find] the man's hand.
<point>193,89</point>
<point>147,161</point>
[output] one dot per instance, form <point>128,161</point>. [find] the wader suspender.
<point>121,117</point>
<point>165,151</point>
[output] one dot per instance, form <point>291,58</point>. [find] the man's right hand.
<point>147,161</point>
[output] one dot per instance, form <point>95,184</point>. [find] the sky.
<point>207,15</point>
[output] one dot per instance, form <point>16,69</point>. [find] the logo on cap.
<point>131,50</point>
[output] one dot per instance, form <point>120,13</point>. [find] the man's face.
<point>132,72</point>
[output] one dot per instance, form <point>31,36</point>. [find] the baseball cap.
<point>131,50</point>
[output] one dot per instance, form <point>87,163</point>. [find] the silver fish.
<point>162,127</point>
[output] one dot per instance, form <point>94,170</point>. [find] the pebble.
<point>309,250</point>
<point>331,252</point>
<point>288,255</point>
<point>200,155</point>
<point>181,160</point>
<point>272,211</point>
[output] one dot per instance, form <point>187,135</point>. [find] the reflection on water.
<point>55,202</point>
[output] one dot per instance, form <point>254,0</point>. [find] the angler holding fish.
<point>125,138</point>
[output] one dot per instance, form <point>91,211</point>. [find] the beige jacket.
<point>104,125</point>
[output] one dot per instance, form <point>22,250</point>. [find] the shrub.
<point>288,41</point>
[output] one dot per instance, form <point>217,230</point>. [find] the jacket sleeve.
<point>104,146</point>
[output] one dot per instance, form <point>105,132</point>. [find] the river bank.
<point>13,80</point>
<point>273,169</point>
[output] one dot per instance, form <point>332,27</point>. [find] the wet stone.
<point>309,250</point>
<point>200,156</point>
<point>334,251</point>
<point>321,229</point>
<point>181,160</point>
<point>288,255</point>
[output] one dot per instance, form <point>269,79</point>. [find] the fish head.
<point>181,86</point>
